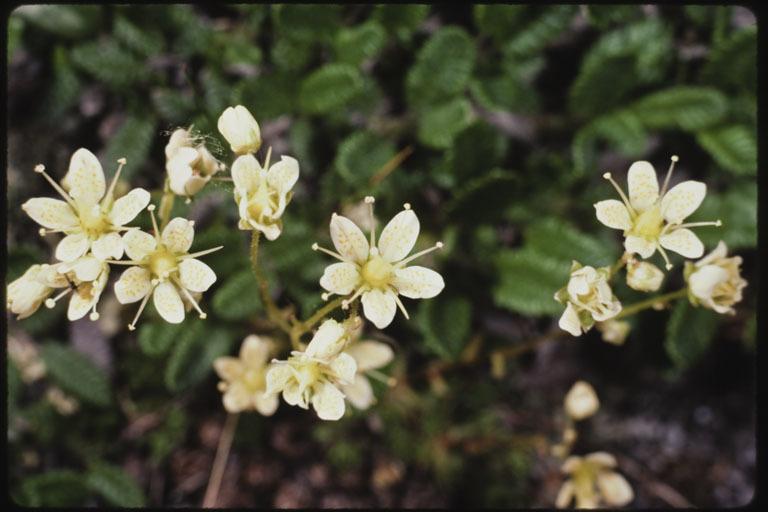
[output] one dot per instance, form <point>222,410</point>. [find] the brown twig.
<point>220,462</point>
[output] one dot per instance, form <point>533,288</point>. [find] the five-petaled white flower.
<point>86,278</point>
<point>316,374</point>
<point>378,273</point>
<point>588,298</point>
<point>262,194</point>
<point>651,219</point>
<point>244,378</point>
<point>369,355</point>
<point>189,164</point>
<point>241,130</point>
<point>91,218</point>
<point>715,281</point>
<point>163,268</point>
<point>593,482</point>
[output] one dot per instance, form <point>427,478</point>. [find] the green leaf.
<point>528,281</point>
<point>737,208</point>
<point>688,108</point>
<point>69,21</point>
<point>476,150</point>
<point>193,355</point>
<point>268,96</point>
<point>603,16</point>
<point>445,324</point>
<point>20,258</point>
<point>498,21</point>
<point>65,89</point>
<point>133,140</point>
<point>590,93</point>
<point>360,155</point>
<point>217,92</point>
<point>172,106</point>
<point>534,36</point>
<point>438,125</point>
<point>734,147</point>
<point>623,130</point>
<point>354,45</point>
<point>329,88</point>
<point>76,374</point>
<point>733,61</point>
<point>141,39</point>
<point>234,253</point>
<point>289,54</point>
<point>108,62</point>
<point>157,338</point>
<point>443,67</point>
<point>56,488</point>
<point>238,297</point>
<point>484,197</point>
<point>114,485</point>
<point>306,22</point>
<point>565,243</point>
<point>689,333</point>
<point>240,51</point>
<point>400,19</point>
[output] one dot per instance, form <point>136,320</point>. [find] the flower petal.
<point>278,377</point>
<point>168,303</point>
<point>683,241</point>
<point>228,368</point>
<point>565,495</point>
<point>601,459</point>
<point>328,341</point>
<point>399,236</point>
<point>87,268</point>
<point>360,392</point>
<point>379,307</point>
<point>51,213</point>
<point>195,275</point>
<point>615,489</point>
<point>642,246</point>
<point>82,300</point>
<point>282,176</point>
<point>85,178</point>
<point>265,404</point>
<point>340,278</point>
<point>72,247</point>
<point>237,398</point>
<point>370,354</point>
<point>133,285</point>
<point>255,350</point>
<point>682,200</point>
<point>138,244</point>
<point>247,173</point>
<point>345,367</point>
<point>328,402</point>
<point>178,235</point>
<point>109,245</point>
<point>129,206</point>
<point>417,282</point>
<point>613,214</point>
<point>349,239</point>
<point>643,185</point>
<point>293,396</point>
<point>569,321</point>
<point>704,280</point>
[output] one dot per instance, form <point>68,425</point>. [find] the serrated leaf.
<point>329,88</point>
<point>306,22</point>
<point>238,297</point>
<point>65,88</point>
<point>443,67</point>
<point>141,39</point>
<point>590,93</point>
<point>439,124</point>
<point>565,243</point>
<point>360,155</point>
<point>737,209</point>
<point>76,374</point>
<point>268,96</point>
<point>157,338</point>
<point>623,130</point>
<point>289,54</point>
<point>689,333</point>
<point>355,44</point>
<point>56,488</point>
<point>484,197</point>
<point>445,324</point>
<point>538,33</point>
<point>478,148</point>
<point>234,253</point>
<point>401,19</point>
<point>132,141</point>
<point>193,355</point>
<point>734,147</point>
<point>498,21</point>
<point>733,61</point>
<point>69,21</point>
<point>685,107</point>
<point>110,63</point>
<point>114,485</point>
<point>172,106</point>
<point>528,281</point>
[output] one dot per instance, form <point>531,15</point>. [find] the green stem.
<point>622,261</point>
<point>645,304</point>
<point>273,311</point>
<point>166,205</point>
<point>320,314</point>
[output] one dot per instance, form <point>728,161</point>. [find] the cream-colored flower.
<point>163,269</point>
<point>651,219</point>
<point>316,374</point>
<point>85,278</point>
<point>26,357</point>
<point>89,215</point>
<point>593,482</point>
<point>189,163</point>
<point>26,293</point>
<point>241,130</point>
<point>244,378</point>
<point>262,194</point>
<point>581,401</point>
<point>643,276</point>
<point>715,281</point>
<point>588,298</point>
<point>614,331</point>
<point>369,355</point>
<point>378,273</point>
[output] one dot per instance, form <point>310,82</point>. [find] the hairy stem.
<point>273,311</point>
<point>166,204</point>
<point>220,462</point>
<point>645,304</point>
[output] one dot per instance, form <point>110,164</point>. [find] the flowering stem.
<point>645,304</point>
<point>622,261</point>
<point>320,313</point>
<point>166,204</point>
<point>272,310</point>
<point>220,462</point>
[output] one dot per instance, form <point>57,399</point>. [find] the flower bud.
<point>643,276</point>
<point>715,281</point>
<point>241,130</point>
<point>581,401</point>
<point>614,331</point>
<point>26,293</point>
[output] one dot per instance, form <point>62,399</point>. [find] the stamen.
<point>151,209</point>
<point>201,253</point>
<point>668,266</point>
<point>718,223</point>
<point>375,374</point>
<point>400,264</point>
<point>40,169</point>
<point>400,305</point>
<point>122,162</point>
<point>50,303</point>
<point>325,296</point>
<point>369,201</point>
<point>95,314</point>
<point>266,161</point>
<point>336,255</point>
<point>345,303</point>
<point>407,206</point>
<point>186,293</point>
<point>674,159</point>
<point>624,198</point>
<point>122,262</point>
<point>132,325</point>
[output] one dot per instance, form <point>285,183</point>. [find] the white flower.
<point>244,378</point>
<point>316,374</point>
<point>369,355</point>
<point>163,268</point>
<point>592,482</point>
<point>26,293</point>
<point>190,165</point>
<point>614,331</point>
<point>581,401</point>
<point>643,276</point>
<point>89,215</point>
<point>241,130</point>
<point>588,298</point>
<point>378,273</point>
<point>651,219</point>
<point>262,195</point>
<point>715,281</point>
<point>85,278</point>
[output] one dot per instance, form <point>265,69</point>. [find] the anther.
<point>42,231</point>
<point>675,158</point>
<point>151,208</point>
<point>439,245</point>
<point>344,305</point>
<point>39,168</point>
<point>191,223</point>
<point>718,223</point>
<point>407,206</point>
<point>122,161</point>
<point>315,246</point>
<point>50,303</point>
<point>369,199</point>
<point>131,327</point>
<point>607,175</point>
<point>94,316</point>
<point>324,296</point>
<point>203,316</point>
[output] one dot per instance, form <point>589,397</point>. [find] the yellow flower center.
<point>161,263</point>
<point>263,198</point>
<point>92,221</point>
<point>377,272</point>
<point>254,379</point>
<point>308,374</point>
<point>648,224</point>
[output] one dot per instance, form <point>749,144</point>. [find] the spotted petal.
<point>255,350</point>
<point>340,278</point>
<point>349,239</point>
<point>379,307</point>
<point>109,245</point>
<point>569,321</point>
<point>282,176</point>
<point>133,285</point>
<point>72,247</point>
<point>399,236</point>
<point>328,341</point>
<point>278,378</point>
<point>683,241</point>
<point>129,206</point>
<point>138,244</point>
<point>613,214</point>
<point>344,366</point>
<point>51,213</point>
<point>178,235</point>
<point>195,275</point>
<point>370,354</point>
<point>682,200</point>
<point>168,303</point>
<point>228,368</point>
<point>638,245</point>
<point>82,300</point>
<point>328,402</point>
<point>87,268</point>
<point>643,185</point>
<point>360,392</point>
<point>247,173</point>
<point>85,178</point>
<point>418,282</point>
